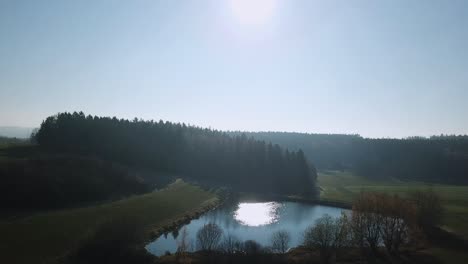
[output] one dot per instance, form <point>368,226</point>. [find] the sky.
<point>377,68</point>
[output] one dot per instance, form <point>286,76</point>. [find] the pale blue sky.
<point>377,68</point>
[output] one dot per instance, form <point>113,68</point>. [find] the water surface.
<point>251,221</point>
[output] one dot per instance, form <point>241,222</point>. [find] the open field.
<point>343,186</point>
<point>43,237</point>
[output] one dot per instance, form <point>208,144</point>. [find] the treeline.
<point>204,155</point>
<point>441,159</point>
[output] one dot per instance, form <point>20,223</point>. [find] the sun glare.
<point>257,214</point>
<point>253,12</point>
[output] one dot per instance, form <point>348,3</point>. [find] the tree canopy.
<point>204,155</point>
<point>441,159</point>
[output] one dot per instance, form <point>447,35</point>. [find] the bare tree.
<point>183,243</point>
<point>231,244</point>
<point>183,246</point>
<point>209,236</point>
<point>399,216</point>
<point>367,221</point>
<point>280,241</point>
<point>328,235</point>
<point>381,218</point>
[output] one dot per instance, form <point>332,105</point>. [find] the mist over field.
<point>16,132</point>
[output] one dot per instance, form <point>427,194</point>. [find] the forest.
<point>202,155</point>
<point>58,181</point>
<point>437,159</point>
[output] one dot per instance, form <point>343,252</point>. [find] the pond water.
<point>250,221</point>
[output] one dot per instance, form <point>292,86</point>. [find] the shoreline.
<point>186,218</point>
<point>178,222</point>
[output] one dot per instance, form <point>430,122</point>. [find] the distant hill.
<point>17,132</point>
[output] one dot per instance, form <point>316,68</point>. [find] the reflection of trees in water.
<point>224,216</point>
<point>289,213</point>
<point>286,213</point>
<point>275,212</point>
<point>175,233</point>
<point>293,217</point>
<point>297,213</point>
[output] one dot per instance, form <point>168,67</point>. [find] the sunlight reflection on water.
<point>249,221</point>
<point>257,214</point>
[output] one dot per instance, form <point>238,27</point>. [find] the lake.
<point>251,221</point>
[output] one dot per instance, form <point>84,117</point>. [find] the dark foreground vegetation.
<point>300,255</point>
<point>381,228</point>
<point>204,155</point>
<point>112,230</point>
<point>442,159</point>
<point>49,181</point>
<point>80,160</point>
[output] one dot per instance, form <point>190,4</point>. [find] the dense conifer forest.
<point>442,159</point>
<point>204,155</point>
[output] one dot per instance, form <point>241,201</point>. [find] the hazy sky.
<point>377,68</point>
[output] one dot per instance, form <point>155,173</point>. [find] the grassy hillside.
<point>343,186</point>
<point>44,237</point>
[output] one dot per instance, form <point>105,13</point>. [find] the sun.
<point>253,12</point>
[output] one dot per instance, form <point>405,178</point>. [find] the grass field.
<point>43,237</point>
<point>343,186</point>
